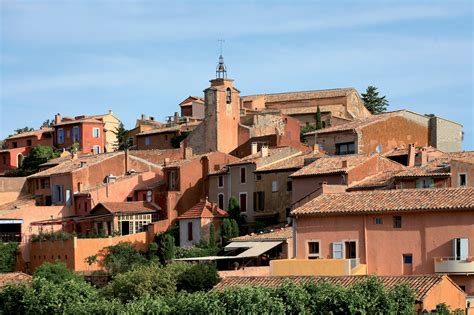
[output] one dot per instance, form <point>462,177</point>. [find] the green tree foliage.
<point>48,123</point>
<point>229,229</point>
<point>121,258</point>
<point>176,140</point>
<point>56,273</point>
<point>38,155</point>
<point>373,102</point>
<point>319,123</point>
<point>140,281</point>
<point>24,129</point>
<point>212,235</point>
<point>166,247</point>
<point>11,298</point>
<point>200,277</point>
<point>122,143</point>
<point>8,254</point>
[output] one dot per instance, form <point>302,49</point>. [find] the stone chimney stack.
<point>411,155</point>
<point>254,147</point>
<point>264,150</point>
<point>143,117</point>
<point>423,157</point>
<point>176,117</point>
<point>57,119</point>
<point>344,164</point>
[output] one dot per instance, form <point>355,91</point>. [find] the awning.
<point>255,249</point>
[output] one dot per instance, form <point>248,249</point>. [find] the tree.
<point>56,273</point>
<point>48,123</point>
<point>8,253</point>
<point>22,130</point>
<point>229,229</point>
<point>200,277</point>
<point>120,258</point>
<point>176,140</point>
<point>166,247</point>
<point>122,143</point>
<point>319,123</point>
<point>38,155</point>
<point>212,235</point>
<point>373,102</point>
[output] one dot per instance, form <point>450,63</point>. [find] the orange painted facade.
<point>90,136</point>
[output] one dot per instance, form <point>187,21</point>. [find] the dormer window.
<point>228,96</point>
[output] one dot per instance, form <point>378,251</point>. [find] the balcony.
<point>454,265</point>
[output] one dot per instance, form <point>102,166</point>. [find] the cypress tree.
<point>319,123</point>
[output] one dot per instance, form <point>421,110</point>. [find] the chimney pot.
<point>411,154</point>
<point>264,150</point>
<point>254,147</point>
<point>57,119</point>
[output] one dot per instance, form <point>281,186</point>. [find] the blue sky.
<point>85,57</point>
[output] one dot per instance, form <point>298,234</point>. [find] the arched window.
<point>228,96</point>
<point>19,159</point>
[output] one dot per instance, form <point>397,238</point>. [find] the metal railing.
<point>452,258</point>
<point>354,262</point>
<point>10,237</point>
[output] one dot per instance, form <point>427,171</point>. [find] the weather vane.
<point>221,42</point>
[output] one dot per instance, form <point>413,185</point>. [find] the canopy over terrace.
<point>252,250</point>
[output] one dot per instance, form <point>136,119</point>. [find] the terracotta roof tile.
<point>129,207</point>
<point>380,180</point>
<point>397,200</point>
<point>182,127</point>
<point>14,277</point>
<point>421,284</point>
<point>86,120</point>
<point>31,133</point>
<point>295,162</point>
<point>274,154</point>
<point>71,165</point>
<point>333,164</point>
<point>204,209</point>
<point>465,157</point>
<point>275,234</point>
<point>301,95</point>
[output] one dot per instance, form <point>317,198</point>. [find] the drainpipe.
<point>365,244</point>
<point>294,235</point>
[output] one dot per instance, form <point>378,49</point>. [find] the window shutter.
<point>464,252</point>
<point>337,250</point>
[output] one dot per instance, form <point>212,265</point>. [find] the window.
<point>337,250</point>
<point>350,249</point>
<point>397,222</point>
<point>4,159</point>
<point>220,201</point>
<point>274,186</point>
<point>258,177</point>
<point>190,231</point>
<point>228,96</point>
<point>378,221</point>
<point>129,198</point>
<point>44,183</point>
<point>68,198</point>
<point>147,140</point>
<point>60,136</point>
<point>407,264</point>
<point>15,144</point>
<point>28,143</point>
<point>425,183</point>
<point>171,180</point>
<point>345,148</point>
<point>221,182</point>
<point>259,200</point>
<point>243,202</point>
<point>243,175</point>
<point>96,149</point>
<point>95,132</point>
<point>462,180</point>
<point>58,194</point>
<point>75,134</point>
<point>289,184</point>
<point>19,159</point>
<point>461,248</point>
<point>313,250</point>
<point>407,259</point>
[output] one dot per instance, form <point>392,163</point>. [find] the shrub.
<point>8,253</point>
<point>296,298</point>
<point>251,300</point>
<point>139,281</point>
<point>198,303</point>
<point>200,277</point>
<point>11,298</point>
<point>51,236</point>
<point>166,247</point>
<point>121,258</point>
<point>56,273</point>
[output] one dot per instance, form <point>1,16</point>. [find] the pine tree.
<point>235,228</point>
<point>212,235</point>
<point>373,102</point>
<point>319,123</point>
<point>122,142</point>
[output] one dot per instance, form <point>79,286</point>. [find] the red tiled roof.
<point>204,209</point>
<point>132,207</point>
<point>85,120</point>
<point>273,154</point>
<point>14,277</point>
<point>275,234</point>
<point>181,127</point>
<point>301,95</point>
<point>295,162</point>
<point>380,180</point>
<point>421,284</point>
<point>398,200</point>
<point>333,164</point>
<point>191,98</point>
<point>465,157</point>
<point>31,133</point>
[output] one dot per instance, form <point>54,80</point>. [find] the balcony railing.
<point>10,237</point>
<point>454,265</point>
<point>355,262</point>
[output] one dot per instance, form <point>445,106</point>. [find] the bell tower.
<point>222,106</point>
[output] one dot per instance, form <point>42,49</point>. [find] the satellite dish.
<point>149,194</point>
<point>379,148</point>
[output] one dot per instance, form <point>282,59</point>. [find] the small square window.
<point>258,177</point>
<point>407,259</point>
<point>378,221</point>
<point>397,222</point>
<point>313,250</point>
<point>28,143</point>
<point>221,181</point>
<point>147,140</point>
<point>462,180</point>
<point>274,186</point>
<point>96,132</point>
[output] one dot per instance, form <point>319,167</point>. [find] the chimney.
<point>143,117</point>
<point>344,164</point>
<point>254,147</point>
<point>83,163</point>
<point>411,155</point>
<point>57,119</point>
<point>176,117</point>
<point>110,111</point>
<point>424,157</point>
<point>264,150</point>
